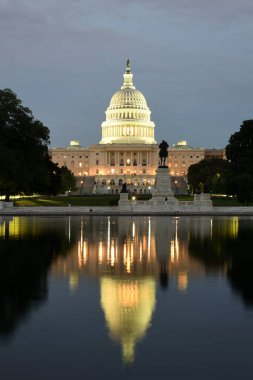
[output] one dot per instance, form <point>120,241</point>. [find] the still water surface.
<point>126,298</point>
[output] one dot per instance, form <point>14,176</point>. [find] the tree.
<point>68,181</point>
<point>239,153</point>
<point>239,150</point>
<point>209,175</point>
<point>24,160</point>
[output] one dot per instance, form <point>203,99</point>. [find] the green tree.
<point>211,174</point>
<point>24,161</point>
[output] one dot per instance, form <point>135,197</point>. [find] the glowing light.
<point>73,281</point>
<point>112,253</point>
<point>133,230</point>
<point>100,253</point>
<point>85,251</point>
<point>182,281</point>
<point>149,238</point>
<point>174,247</point>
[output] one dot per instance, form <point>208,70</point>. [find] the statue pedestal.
<point>203,200</point>
<point>124,204</point>
<point>163,193</point>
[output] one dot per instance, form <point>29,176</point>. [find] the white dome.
<point>128,98</point>
<point>128,116</point>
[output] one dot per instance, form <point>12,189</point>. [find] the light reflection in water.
<point>128,305</point>
<point>129,258</point>
<point>128,255</point>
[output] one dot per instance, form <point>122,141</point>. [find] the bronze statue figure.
<point>163,153</point>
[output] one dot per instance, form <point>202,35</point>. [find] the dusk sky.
<point>192,60</point>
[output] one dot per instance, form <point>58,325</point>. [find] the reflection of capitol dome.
<point>128,305</point>
<point>128,116</point>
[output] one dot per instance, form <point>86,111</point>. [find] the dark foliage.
<point>25,164</point>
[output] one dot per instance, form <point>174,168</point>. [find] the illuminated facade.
<point>128,151</point>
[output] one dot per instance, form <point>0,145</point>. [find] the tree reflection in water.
<point>128,257</point>
<point>28,247</point>
<point>224,244</point>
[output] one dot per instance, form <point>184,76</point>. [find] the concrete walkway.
<point>114,210</point>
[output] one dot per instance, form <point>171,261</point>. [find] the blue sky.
<point>192,59</point>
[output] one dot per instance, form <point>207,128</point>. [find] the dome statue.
<point>128,116</point>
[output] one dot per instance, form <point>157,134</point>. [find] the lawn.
<point>106,200</point>
<point>98,200</point>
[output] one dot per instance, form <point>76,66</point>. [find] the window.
<point>128,162</point>
<point>144,171</point>
<point>97,171</point>
<point>120,182</point>
<point>97,154</point>
<point>72,163</point>
<point>121,171</point>
<point>80,156</point>
<point>80,164</point>
<point>121,162</point>
<point>97,162</point>
<point>135,162</point>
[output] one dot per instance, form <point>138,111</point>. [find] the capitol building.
<point>127,152</point>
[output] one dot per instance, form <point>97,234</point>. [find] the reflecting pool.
<point>126,297</point>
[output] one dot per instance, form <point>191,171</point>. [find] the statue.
<point>163,154</point>
<point>124,188</point>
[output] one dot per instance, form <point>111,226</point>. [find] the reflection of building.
<point>128,305</point>
<point>128,151</point>
<point>128,255</point>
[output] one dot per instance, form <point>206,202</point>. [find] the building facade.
<point>127,152</point>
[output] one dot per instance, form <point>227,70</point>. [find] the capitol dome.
<point>128,98</point>
<point>128,116</point>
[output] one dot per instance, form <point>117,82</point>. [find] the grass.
<point>107,200</point>
<point>60,201</point>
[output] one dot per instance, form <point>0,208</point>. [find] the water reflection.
<point>131,258</point>
<point>224,245</point>
<point>27,248</point>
